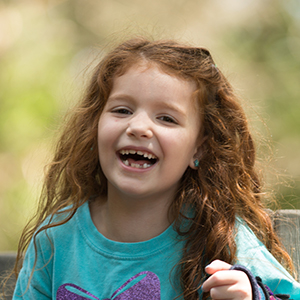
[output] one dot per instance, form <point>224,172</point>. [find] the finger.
<point>217,265</point>
<point>221,278</point>
<point>228,284</point>
<point>230,292</point>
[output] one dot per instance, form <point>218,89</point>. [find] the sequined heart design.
<point>147,288</point>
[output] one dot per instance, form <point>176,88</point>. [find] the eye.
<point>168,119</point>
<point>122,111</point>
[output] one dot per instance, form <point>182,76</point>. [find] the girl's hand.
<point>226,284</point>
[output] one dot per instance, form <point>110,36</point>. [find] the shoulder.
<point>250,250</point>
<point>253,254</point>
<point>47,244</point>
<point>55,231</point>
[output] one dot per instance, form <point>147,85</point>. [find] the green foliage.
<point>271,47</point>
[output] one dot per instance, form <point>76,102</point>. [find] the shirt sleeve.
<point>253,254</point>
<point>36,284</point>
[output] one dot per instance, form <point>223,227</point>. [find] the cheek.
<point>108,126</point>
<point>101,137</point>
<point>105,129</point>
<point>104,142</point>
<point>109,132</point>
<point>178,150</point>
<point>183,141</point>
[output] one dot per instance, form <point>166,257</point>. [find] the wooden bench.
<point>286,223</point>
<point>287,226</point>
<point>7,261</point>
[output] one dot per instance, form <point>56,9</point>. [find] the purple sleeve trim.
<point>269,295</point>
<point>259,290</point>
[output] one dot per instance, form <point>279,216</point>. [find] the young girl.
<point>153,192</point>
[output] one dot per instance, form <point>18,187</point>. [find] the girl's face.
<point>148,133</point>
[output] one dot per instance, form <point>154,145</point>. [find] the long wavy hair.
<point>225,185</point>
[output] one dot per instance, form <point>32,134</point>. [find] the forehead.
<point>154,73</point>
<point>142,63</point>
<point>151,78</point>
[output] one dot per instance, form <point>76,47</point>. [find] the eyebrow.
<point>173,108</point>
<point>119,97</point>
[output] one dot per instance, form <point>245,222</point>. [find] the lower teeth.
<point>133,165</point>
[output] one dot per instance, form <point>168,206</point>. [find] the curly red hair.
<point>226,184</point>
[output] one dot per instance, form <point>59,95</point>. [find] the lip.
<point>136,148</point>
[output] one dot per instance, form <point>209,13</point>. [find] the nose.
<point>139,126</point>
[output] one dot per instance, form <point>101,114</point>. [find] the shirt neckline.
<point>119,249</point>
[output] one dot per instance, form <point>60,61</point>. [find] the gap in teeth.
<point>138,166</point>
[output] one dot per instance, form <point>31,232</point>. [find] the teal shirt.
<point>80,263</point>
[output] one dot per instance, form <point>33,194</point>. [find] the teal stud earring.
<point>196,163</point>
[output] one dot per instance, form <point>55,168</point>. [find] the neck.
<point>127,219</point>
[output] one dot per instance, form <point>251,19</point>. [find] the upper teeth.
<point>145,154</point>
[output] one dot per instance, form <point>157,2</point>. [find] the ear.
<point>198,153</point>
<point>194,159</point>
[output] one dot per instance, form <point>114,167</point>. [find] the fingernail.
<point>201,289</point>
<point>209,265</point>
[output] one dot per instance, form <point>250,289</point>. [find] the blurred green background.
<point>46,45</point>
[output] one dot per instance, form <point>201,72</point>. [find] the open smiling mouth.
<point>137,159</point>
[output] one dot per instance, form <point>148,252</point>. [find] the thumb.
<point>217,265</point>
